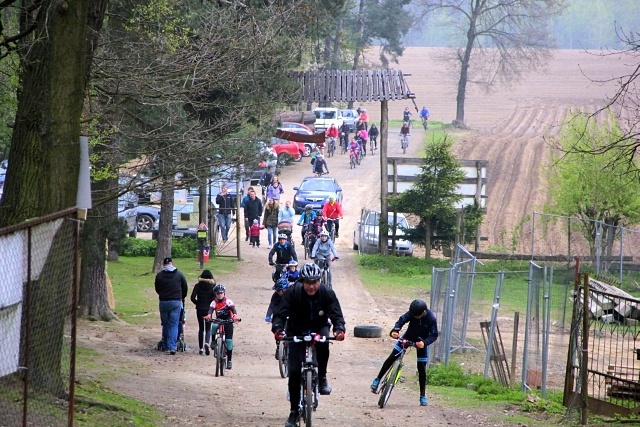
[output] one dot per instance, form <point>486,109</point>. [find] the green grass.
<point>132,281</point>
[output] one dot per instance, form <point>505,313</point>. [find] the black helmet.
<point>310,272</point>
<point>417,307</point>
<point>219,289</point>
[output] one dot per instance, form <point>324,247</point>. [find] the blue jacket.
<point>423,329</point>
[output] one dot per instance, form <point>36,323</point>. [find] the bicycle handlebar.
<point>313,337</point>
<point>221,321</point>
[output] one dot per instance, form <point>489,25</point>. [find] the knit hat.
<point>206,274</point>
<point>255,221</point>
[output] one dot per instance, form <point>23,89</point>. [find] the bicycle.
<point>353,160</point>
<point>220,347</point>
<point>344,142</point>
<point>277,271</point>
<point>325,266</point>
<point>331,228</point>
<point>393,374</point>
<point>404,143</point>
<point>309,375</point>
<point>331,143</point>
<point>372,145</point>
<point>307,241</point>
<point>425,122</point>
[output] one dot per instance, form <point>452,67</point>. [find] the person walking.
<point>201,297</point>
<point>225,209</point>
<point>252,211</point>
<point>287,213</point>
<point>270,221</point>
<point>307,307</point>
<point>172,288</point>
<point>274,190</point>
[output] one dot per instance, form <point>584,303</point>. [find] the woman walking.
<point>270,221</point>
<point>201,296</point>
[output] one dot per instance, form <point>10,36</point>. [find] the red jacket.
<point>332,211</point>
<point>332,132</point>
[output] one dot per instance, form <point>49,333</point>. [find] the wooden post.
<point>569,376</point>
<point>514,351</point>
<point>384,133</point>
<point>585,349</point>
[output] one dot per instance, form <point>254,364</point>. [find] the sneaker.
<point>269,247</point>
<point>201,352</point>
<point>374,385</point>
<point>324,387</point>
<point>229,364</point>
<point>206,349</point>
<point>423,401</point>
<point>168,352</point>
<point>292,421</point>
<point>172,352</point>
<point>246,239</point>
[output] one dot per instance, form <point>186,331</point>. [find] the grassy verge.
<point>386,277</point>
<point>136,303</point>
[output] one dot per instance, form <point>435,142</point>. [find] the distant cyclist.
<point>332,135</point>
<point>320,166</point>
<point>424,116</point>
<point>406,115</point>
<point>354,148</point>
<point>374,132</point>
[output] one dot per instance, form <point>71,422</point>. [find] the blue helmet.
<point>281,284</point>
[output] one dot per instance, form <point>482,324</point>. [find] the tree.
<point>501,40</point>
<point>593,187</point>
<point>433,197</point>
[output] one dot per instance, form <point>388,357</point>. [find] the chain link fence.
<point>38,289</point>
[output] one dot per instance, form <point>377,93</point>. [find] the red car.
<point>285,148</point>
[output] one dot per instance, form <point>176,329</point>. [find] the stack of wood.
<point>623,382</point>
<point>304,117</point>
<point>616,307</point>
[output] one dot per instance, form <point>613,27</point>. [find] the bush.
<point>402,266</point>
<point>185,247</point>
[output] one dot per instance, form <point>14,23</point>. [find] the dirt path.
<point>253,394</point>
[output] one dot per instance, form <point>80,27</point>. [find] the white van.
<point>326,116</point>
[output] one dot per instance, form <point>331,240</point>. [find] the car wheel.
<point>145,223</point>
<point>300,154</point>
<point>282,159</point>
<point>367,331</point>
<point>307,150</point>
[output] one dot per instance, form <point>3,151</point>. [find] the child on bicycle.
<point>305,219</point>
<point>374,132</point>
<point>354,148</point>
<point>316,226</point>
<point>422,330</point>
<point>292,274</point>
<point>325,250</point>
<point>224,309</point>
<point>276,299</point>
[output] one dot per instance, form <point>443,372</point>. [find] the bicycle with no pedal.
<point>220,345</point>
<point>394,373</point>
<point>309,375</point>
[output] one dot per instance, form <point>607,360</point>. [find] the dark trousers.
<point>296,358</point>
<point>336,224</point>
<point>204,327</point>
<point>422,358</point>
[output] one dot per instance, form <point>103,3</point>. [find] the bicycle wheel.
<point>388,383</point>
<point>352,161</point>
<point>308,407</point>
<point>283,359</point>
<point>219,357</point>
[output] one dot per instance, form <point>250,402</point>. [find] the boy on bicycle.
<point>225,309</point>
<point>354,149</point>
<point>422,330</point>
<point>305,219</point>
<point>325,250</point>
<point>276,300</point>
<point>292,274</point>
<point>306,308</point>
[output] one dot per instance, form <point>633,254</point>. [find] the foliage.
<point>433,197</point>
<point>589,186</point>
<point>180,247</point>
<point>402,266</point>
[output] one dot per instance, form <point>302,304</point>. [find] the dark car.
<point>315,191</point>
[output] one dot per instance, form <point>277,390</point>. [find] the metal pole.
<point>238,227</point>
<point>384,180</point>
<point>546,300</point>
<point>514,351</point>
<point>585,349</point>
<point>621,253</point>
<point>527,326</point>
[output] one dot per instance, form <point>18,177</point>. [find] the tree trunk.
<point>165,225</point>
<point>464,73</point>
<point>359,42</point>
<point>427,240</point>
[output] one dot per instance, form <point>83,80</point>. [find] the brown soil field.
<point>506,128</point>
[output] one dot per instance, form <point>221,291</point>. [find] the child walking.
<point>254,233</point>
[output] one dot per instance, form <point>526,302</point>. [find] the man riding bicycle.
<point>424,115</point>
<point>320,166</point>
<point>308,308</point>
<point>284,252</point>
<point>423,330</point>
<point>305,219</point>
<point>332,135</point>
<point>332,212</point>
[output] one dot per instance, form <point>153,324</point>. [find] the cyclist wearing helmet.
<point>325,250</point>
<point>284,252</point>
<point>332,212</point>
<point>308,308</point>
<point>305,219</point>
<point>292,274</point>
<point>320,166</point>
<point>224,309</point>
<point>423,330</point>
<point>276,300</point>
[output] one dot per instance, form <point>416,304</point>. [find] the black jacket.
<point>202,293</point>
<point>225,203</point>
<point>308,313</point>
<point>284,253</point>
<point>252,209</point>
<point>374,132</point>
<point>425,328</point>
<point>171,285</point>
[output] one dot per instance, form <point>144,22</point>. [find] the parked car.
<point>315,191</point>
<point>284,148</point>
<point>146,217</point>
<point>350,117</point>
<point>127,211</point>
<point>325,117</point>
<point>367,234</point>
<point>307,147</point>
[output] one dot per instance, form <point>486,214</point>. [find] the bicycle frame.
<point>220,349</point>
<point>394,373</point>
<point>325,265</point>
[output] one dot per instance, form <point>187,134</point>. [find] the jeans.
<point>224,221</point>
<point>272,234</point>
<point>170,317</point>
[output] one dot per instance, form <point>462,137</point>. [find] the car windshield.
<point>316,185</point>
<point>374,219</point>
<point>320,114</point>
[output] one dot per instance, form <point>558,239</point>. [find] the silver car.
<point>367,234</point>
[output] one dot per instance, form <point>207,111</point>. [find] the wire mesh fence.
<point>37,321</point>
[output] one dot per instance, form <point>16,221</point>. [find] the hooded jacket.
<point>202,293</point>
<point>171,285</point>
